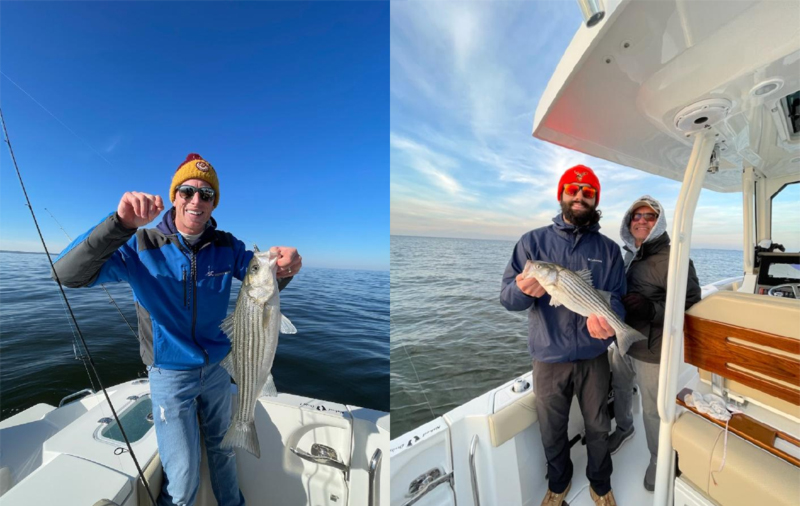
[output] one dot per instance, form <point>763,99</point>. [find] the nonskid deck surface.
<point>627,480</point>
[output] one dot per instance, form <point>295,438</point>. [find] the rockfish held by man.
<point>253,329</point>
<point>574,290</point>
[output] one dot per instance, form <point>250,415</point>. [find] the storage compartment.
<point>137,420</point>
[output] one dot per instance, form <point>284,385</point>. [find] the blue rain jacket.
<point>181,291</point>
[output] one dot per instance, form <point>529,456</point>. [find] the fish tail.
<point>626,336</point>
<point>242,435</point>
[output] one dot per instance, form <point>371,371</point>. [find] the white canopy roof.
<point>632,89</point>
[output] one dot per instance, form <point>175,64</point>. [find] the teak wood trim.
<point>750,429</point>
<point>707,346</point>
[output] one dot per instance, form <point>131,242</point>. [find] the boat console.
<point>779,274</point>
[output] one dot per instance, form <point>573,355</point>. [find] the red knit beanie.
<point>578,174</point>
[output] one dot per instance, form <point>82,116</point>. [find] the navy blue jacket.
<point>556,334</point>
<point>181,291</point>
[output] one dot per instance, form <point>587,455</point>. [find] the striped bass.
<point>253,330</point>
<point>574,290</point>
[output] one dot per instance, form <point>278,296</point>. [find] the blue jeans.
<point>186,403</point>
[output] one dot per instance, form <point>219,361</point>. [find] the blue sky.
<point>288,101</point>
<point>465,82</point>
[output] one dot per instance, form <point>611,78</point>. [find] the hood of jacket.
<point>657,231</point>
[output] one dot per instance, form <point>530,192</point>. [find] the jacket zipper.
<point>184,287</point>
<point>194,301</point>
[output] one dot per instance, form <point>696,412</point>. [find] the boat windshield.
<point>785,225</point>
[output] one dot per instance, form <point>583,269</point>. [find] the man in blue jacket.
<point>569,350</point>
<point>181,274</point>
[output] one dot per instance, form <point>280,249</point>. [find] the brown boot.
<point>553,499</point>
<point>605,500</point>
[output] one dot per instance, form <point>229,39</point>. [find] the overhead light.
<point>702,114</point>
<point>766,87</point>
<point>592,11</point>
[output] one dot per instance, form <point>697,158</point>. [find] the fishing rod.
<point>74,320</point>
<point>101,284</point>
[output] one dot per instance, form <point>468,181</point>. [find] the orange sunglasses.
<point>572,189</point>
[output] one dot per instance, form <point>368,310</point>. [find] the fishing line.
<point>433,417</point>
<point>101,284</point>
<point>56,118</point>
<point>74,320</point>
<point>78,355</point>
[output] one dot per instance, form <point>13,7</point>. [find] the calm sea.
<point>340,352</point>
<point>451,339</point>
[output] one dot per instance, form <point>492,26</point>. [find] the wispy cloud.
<point>112,144</point>
<point>465,81</point>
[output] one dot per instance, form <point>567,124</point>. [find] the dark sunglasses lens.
<point>187,192</point>
<point>206,194</point>
<point>588,192</point>
<point>571,189</point>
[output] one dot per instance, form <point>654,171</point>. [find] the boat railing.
<point>76,396</point>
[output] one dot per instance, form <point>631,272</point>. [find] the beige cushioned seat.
<point>512,419</point>
<point>751,476</point>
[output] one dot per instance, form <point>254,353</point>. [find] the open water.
<point>449,330</point>
<point>340,352</point>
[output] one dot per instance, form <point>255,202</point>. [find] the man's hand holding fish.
<point>289,261</point>
<point>598,327</point>
<point>530,286</point>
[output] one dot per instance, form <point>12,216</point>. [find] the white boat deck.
<point>627,480</point>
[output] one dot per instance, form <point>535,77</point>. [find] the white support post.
<point>763,211</point>
<point>749,235</point>
<point>672,342</point>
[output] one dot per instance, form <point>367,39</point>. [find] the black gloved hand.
<point>638,308</point>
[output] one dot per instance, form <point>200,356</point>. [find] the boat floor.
<point>627,480</point>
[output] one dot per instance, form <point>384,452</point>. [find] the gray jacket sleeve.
<point>80,263</point>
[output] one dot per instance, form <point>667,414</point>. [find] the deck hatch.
<point>137,420</point>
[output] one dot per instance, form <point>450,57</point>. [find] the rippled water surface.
<point>340,353</point>
<point>449,329</point>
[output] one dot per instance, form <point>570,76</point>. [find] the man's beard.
<point>580,217</point>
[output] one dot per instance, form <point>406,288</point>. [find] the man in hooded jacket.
<point>644,231</point>
<point>569,350</point>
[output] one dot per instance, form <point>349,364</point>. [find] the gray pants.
<point>625,371</point>
<point>554,386</point>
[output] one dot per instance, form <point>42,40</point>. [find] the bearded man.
<point>568,350</point>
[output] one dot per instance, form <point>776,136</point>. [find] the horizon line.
<point>511,240</point>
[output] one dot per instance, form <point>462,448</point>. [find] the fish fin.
<point>286,326</point>
<point>554,302</point>
<point>242,435</point>
<point>227,326</point>
<point>229,365</point>
<point>626,337</point>
<point>269,388</point>
<point>606,296</point>
<point>586,275</point>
